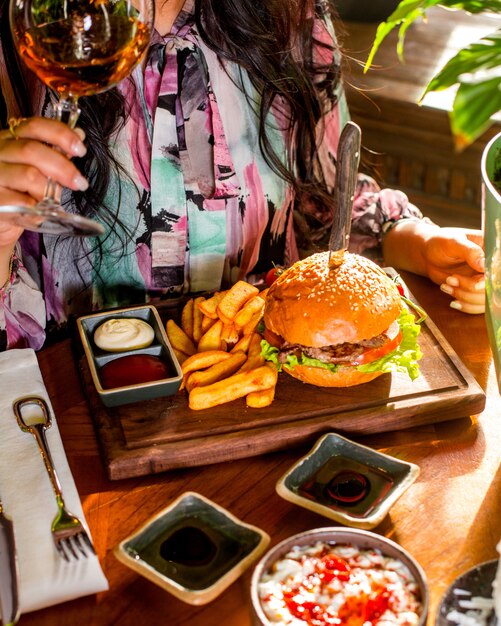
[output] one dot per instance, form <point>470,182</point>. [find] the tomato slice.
<point>373,354</point>
<point>393,333</point>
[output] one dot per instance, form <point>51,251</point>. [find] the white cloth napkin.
<point>45,578</point>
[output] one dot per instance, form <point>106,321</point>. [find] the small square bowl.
<point>347,482</point>
<point>160,347</point>
<point>193,549</point>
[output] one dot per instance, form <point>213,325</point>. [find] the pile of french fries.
<point>219,349</point>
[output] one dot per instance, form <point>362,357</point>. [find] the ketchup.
<point>133,369</point>
<point>363,610</point>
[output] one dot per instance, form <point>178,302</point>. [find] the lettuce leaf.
<point>403,359</point>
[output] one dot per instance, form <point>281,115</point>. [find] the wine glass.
<point>77,48</point>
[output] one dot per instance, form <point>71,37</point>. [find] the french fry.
<point>183,382</point>
<point>197,319</point>
<point>229,334</point>
<point>234,300</point>
<point>252,325</point>
<point>209,306</point>
<point>179,339</point>
<point>254,354</point>
<point>219,371</point>
<point>203,360</point>
<point>232,388</point>
<point>255,345</point>
<point>242,344</point>
<point>207,322</point>
<point>211,340</point>
<point>252,363</point>
<point>181,356</point>
<point>252,308</point>
<point>200,361</point>
<point>261,399</point>
<point>187,318</point>
<point>220,350</point>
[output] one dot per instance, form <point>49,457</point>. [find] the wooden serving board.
<point>163,434</point>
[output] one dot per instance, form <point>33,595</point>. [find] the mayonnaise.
<point>125,333</point>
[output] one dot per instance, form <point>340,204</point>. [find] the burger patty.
<point>339,353</point>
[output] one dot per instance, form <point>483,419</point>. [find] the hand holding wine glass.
<point>77,48</point>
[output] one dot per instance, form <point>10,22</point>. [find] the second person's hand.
<point>455,261</point>
<point>453,258</point>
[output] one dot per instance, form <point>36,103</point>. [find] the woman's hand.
<point>455,261</point>
<point>36,149</point>
<point>451,257</point>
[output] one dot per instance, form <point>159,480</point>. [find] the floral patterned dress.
<point>204,207</point>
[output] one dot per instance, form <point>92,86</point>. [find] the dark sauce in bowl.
<point>344,484</point>
<point>194,552</point>
<point>189,546</point>
<point>348,487</point>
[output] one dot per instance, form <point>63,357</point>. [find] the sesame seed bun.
<point>315,306</point>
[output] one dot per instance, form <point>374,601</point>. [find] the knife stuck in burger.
<point>336,319</point>
<point>347,160</point>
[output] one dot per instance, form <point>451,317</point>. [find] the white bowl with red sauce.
<point>137,371</point>
<point>339,575</point>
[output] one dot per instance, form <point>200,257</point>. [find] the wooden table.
<point>450,519</point>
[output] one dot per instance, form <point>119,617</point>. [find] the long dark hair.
<point>272,41</point>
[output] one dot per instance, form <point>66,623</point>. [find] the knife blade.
<point>348,158</point>
<point>9,596</point>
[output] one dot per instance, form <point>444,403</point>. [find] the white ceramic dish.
<point>193,549</point>
<point>347,482</point>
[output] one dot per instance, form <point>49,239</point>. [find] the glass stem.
<point>66,111</point>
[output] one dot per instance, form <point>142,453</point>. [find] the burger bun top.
<point>314,305</point>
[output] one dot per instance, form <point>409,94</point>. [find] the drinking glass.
<point>491,224</point>
<point>77,48</point>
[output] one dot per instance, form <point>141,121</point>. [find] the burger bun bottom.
<point>344,377</point>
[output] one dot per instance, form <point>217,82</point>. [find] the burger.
<point>338,326</point>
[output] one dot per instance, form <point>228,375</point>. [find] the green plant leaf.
<point>474,105</point>
<point>407,12</point>
<point>474,6</point>
<point>470,64</point>
<point>474,69</point>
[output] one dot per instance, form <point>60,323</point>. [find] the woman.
<point>213,161</point>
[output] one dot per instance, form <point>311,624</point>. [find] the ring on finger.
<point>13,124</point>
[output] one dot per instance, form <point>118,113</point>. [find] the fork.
<point>68,532</point>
